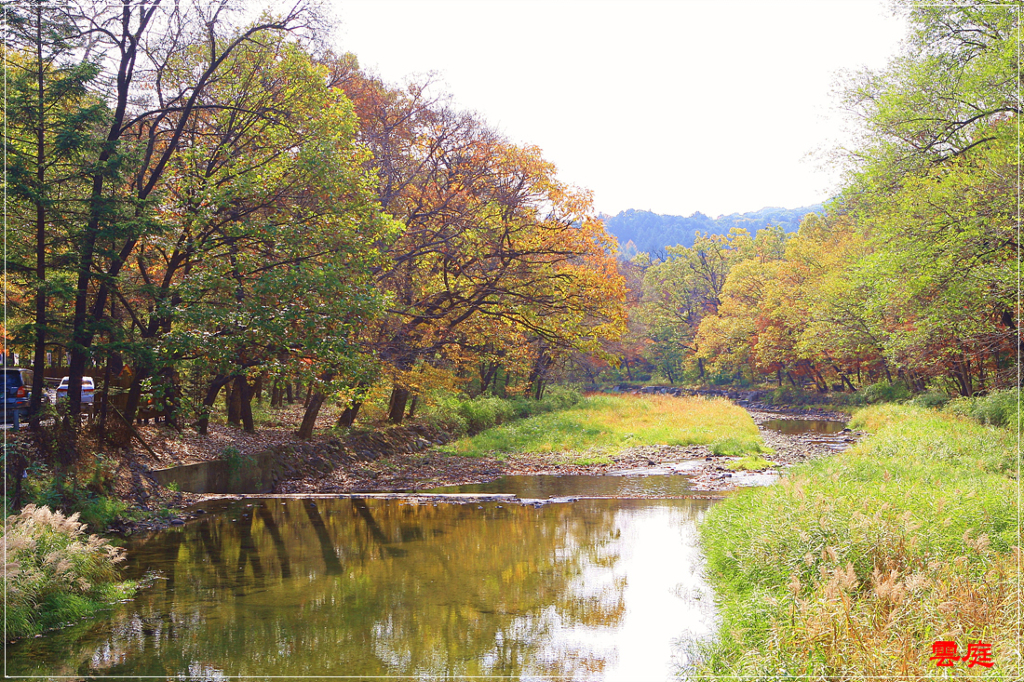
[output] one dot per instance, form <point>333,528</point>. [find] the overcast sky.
<point>673,106</point>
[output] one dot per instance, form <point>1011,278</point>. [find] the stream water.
<point>595,589</point>
<point>580,580</point>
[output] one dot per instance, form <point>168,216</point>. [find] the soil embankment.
<point>407,459</point>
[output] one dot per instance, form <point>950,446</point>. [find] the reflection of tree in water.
<point>369,587</point>
<point>486,597</point>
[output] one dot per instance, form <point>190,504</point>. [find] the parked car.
<point>88,390</point>
<point>17,393</point>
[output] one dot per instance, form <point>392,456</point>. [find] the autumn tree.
<point>490,239</point>
<point>682,290</point>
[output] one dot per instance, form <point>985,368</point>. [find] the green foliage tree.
<point>51,126</point>
<point>934,185</point>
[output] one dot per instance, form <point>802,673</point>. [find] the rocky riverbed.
<point>428,469</point>
<point>419,465</point>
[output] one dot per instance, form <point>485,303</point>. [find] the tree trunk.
<point>487,373</point>
<point>258,387</point>
<point>349,414</point>
<point>233,401</point>
<point>412,406</point>
<point>819,381</point>
<point>244,393</point>
<point>843,378</point>
<point>399,398</point>
<point>39,352</point>
<point>309,418</point>
<point>202,424</point>
<point>106,399</point>
<point>172,398</point>
<point>134,395</point>
<point>276,395</point>
<point>288,392</point>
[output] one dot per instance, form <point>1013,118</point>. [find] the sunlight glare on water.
<point>604,589</point>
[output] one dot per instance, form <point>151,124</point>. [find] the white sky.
<point>673,106</point>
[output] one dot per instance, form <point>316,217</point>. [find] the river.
<point>607,589</point>
<point>579,577</point>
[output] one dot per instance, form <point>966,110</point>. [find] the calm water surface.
<point>589,590</point>
<point>547,486</point>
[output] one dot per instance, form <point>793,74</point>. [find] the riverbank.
<point>420,454</point>
<point>414,459</point>
<point>856,566</point>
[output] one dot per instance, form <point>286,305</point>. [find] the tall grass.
<point>1001,408</point>
<point>55,575</point>
<point>471,416</point>
<point>855,565</point>
<point>616,422</point>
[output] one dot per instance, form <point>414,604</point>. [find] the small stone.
<point>177,522</point>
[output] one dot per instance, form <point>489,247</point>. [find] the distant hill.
<point>652,232</point>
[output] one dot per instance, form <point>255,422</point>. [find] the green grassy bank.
<point>606,424</point>
<point>855,565</point>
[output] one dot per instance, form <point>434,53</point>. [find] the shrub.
<point>930,399</point>
<point>560,398</point>
<point>885,392</point>
<point>443,414</point>
<point>485,412</point>
<point>55,575</point>
<point>99,512</point>
<point>1000,408</point>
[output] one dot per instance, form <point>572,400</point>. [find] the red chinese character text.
<point>978,654</point>
<point>945,653</point>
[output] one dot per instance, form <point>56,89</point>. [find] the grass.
<point>55,575</point>
<point>615,422</point>
<point>751,463</point>
<point>855,565</point>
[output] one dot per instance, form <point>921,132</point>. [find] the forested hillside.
<point>908,277</point>
<point>651,232</point>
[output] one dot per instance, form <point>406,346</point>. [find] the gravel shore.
<point>426,468</point>
<point>423,470</point>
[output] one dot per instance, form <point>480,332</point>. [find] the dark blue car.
<point>17,393</point>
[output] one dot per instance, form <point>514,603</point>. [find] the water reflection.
<point>597,589</point>
<point>546,486</point>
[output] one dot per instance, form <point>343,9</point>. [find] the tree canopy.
<point>204,204</point>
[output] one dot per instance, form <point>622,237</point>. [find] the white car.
<point>88,390</point>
